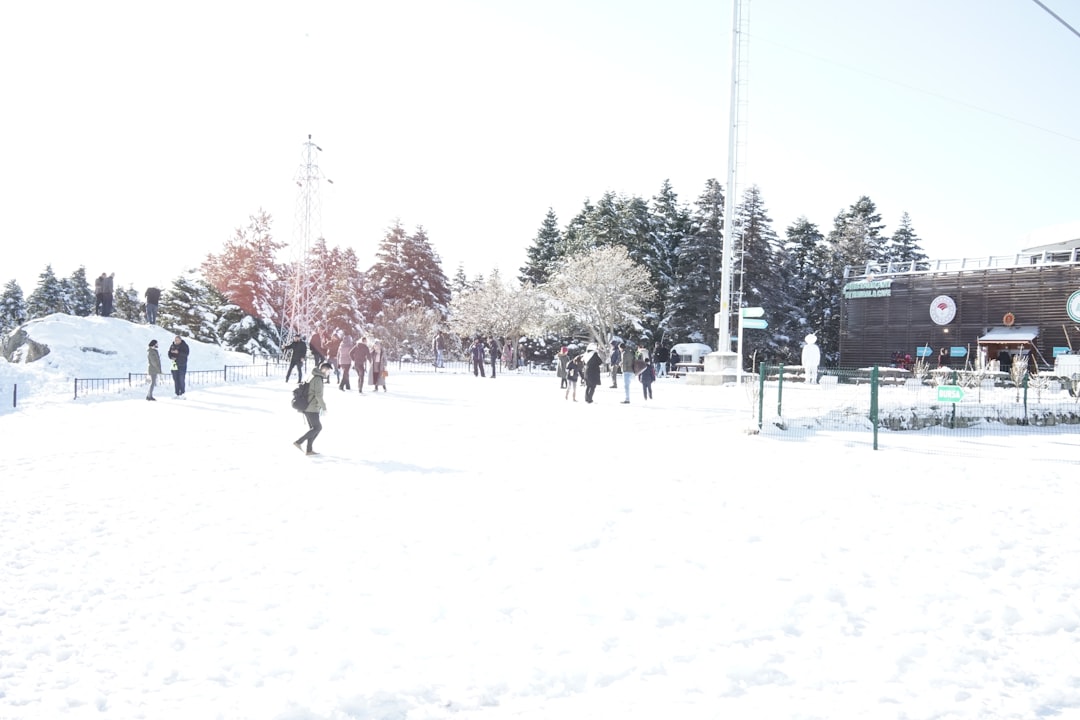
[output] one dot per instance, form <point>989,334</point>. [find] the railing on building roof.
<point>992,262</point>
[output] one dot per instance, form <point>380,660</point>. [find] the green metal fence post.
<point>1024,382</point>
<point>761,394</point>
<point>780,393</point>
<point>874,401</point>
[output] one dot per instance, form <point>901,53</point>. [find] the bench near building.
<point>1025,305</point>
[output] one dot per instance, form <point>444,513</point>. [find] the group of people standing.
<point>178,355</point>
<point>494,350</point>
<point>103,295</point>
<point>343,356</point>
<point>587,367</point>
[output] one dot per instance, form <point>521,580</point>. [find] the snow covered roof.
<point>1056,238</point>
<point>1017,333</point>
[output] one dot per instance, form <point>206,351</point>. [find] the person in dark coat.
<point>646,376</point>
<point>661,356</point>
<point>318,350</point>
<point>478,358</point>
<point>297,352</point>
<point>574,370</point>
<point>316,405</point>
<point>178,353</point>
<point>615,363</point>
<point>360,354</point>
<point>494,351</point>
<point>99,294</point>
<point>153,368</point>
<point>153,297</point>
<point>593,365</point>
<point>107,297</point>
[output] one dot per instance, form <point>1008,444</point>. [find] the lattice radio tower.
<point>300,312</point>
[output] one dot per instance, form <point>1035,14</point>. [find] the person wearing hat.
<point>562,360</point>
<point>153,367</point>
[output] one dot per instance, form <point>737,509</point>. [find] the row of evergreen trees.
<point>662,284</point>
<point>797,279</point>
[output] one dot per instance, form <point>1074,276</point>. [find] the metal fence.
<point>227,374</point>
<point>885,400</point>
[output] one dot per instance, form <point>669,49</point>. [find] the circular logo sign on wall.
<point>942,310</point>
<point>1073,306</point>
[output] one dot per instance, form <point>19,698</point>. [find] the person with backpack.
<point>315,406</point>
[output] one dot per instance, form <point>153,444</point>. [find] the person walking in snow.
<point>344,361</point>
<point>494,351</point>
<point>318,350</point>
<point>626,362</point>
<point>562,362</point>
<point>378,366</point>
<point>153,367</point>
<point>478,358</point>
<point>647,376</point>
<point>360,354</point>
<point>315,407</point>
<point>297,352</point>
<point>178,353</point>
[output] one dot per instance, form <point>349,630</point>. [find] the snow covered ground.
<point>478,548</point>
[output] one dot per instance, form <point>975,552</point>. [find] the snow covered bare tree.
<point>602,290</point>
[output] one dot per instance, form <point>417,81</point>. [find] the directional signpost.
<point>755,323</point>
<point>753,312</point>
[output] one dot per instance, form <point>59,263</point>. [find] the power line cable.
<point>1057,17</point>
<point>918,89</point>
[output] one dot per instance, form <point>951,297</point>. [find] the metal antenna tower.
<point>731,248</point>
<point>308,226</point>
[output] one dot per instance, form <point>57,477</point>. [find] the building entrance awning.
<point>1015,334</point>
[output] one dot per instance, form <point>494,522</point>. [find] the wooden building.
<point>1026,304</point>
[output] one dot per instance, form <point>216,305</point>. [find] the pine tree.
<point>695,298</point>
<point>904,251</point>
<point>13,311</point>
<point>545,252</point>
<point>669,227</point>
<point>856,236</point>
<point>816,287</point>
<point>190,308</point>
<point>248,275</point>
<point>760,279</point>
<point>128,305</point>
<point>407,270</point>
<point>343,312</point>
<point>80,295</point>
<point>48,297</point>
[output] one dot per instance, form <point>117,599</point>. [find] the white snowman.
<point>811,358</point>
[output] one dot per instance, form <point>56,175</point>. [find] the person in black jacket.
<point>153,297</point>
<point>494,351</point>
<point>297,352</point>
<point>593,364</point>
<point>178,353</point>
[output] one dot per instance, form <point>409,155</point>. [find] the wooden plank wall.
<point>871,329</point>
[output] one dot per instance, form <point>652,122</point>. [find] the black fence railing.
<point>227,374</point>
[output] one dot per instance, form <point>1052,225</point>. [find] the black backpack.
<point>300,397</point>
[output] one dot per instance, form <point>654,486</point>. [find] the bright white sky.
<point>135,140</point>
